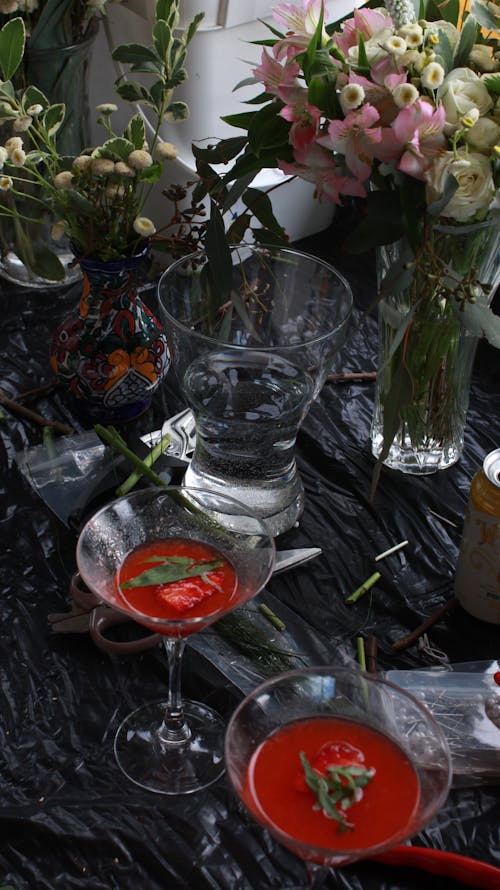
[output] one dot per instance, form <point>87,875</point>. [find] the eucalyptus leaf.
<point>484,16</point>
<point>170,571</point>
<point>224,151</point>
<point>467,39</point>
<point>435,208</point>
<point>46,264</point>
<point>12,39</point>
<point>481,321</point>
<point>218,253</point>
<point>260,204</point>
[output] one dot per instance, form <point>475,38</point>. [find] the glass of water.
<point>251,350</point>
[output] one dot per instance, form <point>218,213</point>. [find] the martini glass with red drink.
<point>164,558</point>
<point>336,764</point>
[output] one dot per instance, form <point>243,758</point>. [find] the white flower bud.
<point>22,123</point>
<point>13,143</point>
<point>139,159</point>
<point>35,110</point>
<point>102,166</point>
<point>6,183</point>
<point>106,108</point>
<point>166,151</point>
<point>58,230</point>
<point>82,162</point>
<point>143,226</point>
<point>3,156</point>
<point>63,180</point>
<point>123,169</point>
<point>17,157</point>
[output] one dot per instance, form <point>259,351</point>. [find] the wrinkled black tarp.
<point>68,819</point>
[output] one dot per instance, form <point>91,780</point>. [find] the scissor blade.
<point>289,559</point>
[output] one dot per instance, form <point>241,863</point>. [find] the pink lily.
<point>316,165</point>
<point>365,22</point>
<point>305,118</point>
<point>355,138</point>
<point>419,129</point>
<point>274,75</point>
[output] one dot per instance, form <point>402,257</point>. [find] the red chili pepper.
<point>496,677</point>
<point>438,862</point>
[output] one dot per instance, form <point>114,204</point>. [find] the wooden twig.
<point>39,419</point>
<point>37,391</point>
<point>436,616</point>
<point>356,377</point>
<point>371,647</point>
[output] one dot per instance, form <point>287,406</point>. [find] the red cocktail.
<point>163,557</point>
<point>336,764</point>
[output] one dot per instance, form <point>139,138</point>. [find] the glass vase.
<point>111,353</point>
<point>61,73</point>
<point>426,353</point>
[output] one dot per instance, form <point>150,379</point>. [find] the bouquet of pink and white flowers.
<point>399,106</point>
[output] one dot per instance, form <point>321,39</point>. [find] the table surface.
<point>68,817</point>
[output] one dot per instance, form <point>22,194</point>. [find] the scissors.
<point>90,615</point>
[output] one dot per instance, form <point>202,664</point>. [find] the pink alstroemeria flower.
<point>274,75</point>
<point>380,94</point>
<point>365,22</point>
<point>355,138</point>
<point>299,21</point>
<point>317,166</point>
<point>419,129</point>
<point>304,117</point>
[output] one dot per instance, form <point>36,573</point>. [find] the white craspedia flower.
<point>35,110</point>
<point>470,118</point>
<point>432,76</point>
<point>123,169</point>
<point>9,6</point>
<point>166,151</point>
<point>63,180</point>
<point>82,162</point>
<point>6,183</point>
<point>13,143</point>
<point>413,35</point>
<point>17,157</point>
<point>144,226</point>
<point>106,108</point>
<point>396,46</point>
<point>405,94</point>
<point>22,123</point>
<point>139,159</point>
<point>402,12</point>
<point>102,166</point>
<point>58,230</point>
<point>351,97</point>
<point>4,155</point>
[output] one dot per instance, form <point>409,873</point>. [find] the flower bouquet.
<point>60,35</point>
<point>399,106</point>
<point>112,353</point>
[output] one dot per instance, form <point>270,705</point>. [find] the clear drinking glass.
<point>250,357</point>
<point>295,698</point>
<point>173,746</point>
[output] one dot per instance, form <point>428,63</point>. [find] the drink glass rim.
<point>256,249</point>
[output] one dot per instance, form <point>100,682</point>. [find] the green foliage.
<point>12,40</point>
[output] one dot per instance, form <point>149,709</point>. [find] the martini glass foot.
<point>148,757</point>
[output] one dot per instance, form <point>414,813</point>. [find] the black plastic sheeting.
<point>68,818</point>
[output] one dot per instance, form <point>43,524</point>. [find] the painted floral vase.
<point>111,354</point>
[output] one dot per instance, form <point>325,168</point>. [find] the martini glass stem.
<point>174,730</point>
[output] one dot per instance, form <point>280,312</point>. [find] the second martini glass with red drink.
<point>174,561</point>
<point>338,765</point>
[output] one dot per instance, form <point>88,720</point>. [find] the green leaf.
<point>193,27</point>
<point>12,39</point>
<point>484,16</point>
<point>163,9</point>
<point>46,264</point>
<point>450,187</point>
<point>136,131</point>
<point>242,121</point>
<point>117,148</point>
<point>218,253</point>
<point>468,37</point>
<point>260,205</point>
<point>150,174</point>
<point>177,111</point>
<point>399,276</point>
<point>444,51</point>
<point>33,96</point>
<point>130,91</point>
<point>53,118</point>
<point>133,53</point>
<point>432,12</point>
<point>398,396</point>
<point>169,571</point>
<point>267,130</point>
<point>492,83</point>
<point>225,150</point>
<point>450,11</point>
<point>362,57</point>
<point>270,236</point>
<point>162,36</point>
<point>238,228</point>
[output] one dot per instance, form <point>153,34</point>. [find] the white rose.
<point>482,57</point>
<point>483,135</point>
<point>476,188</point>
<point>460,91</point>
